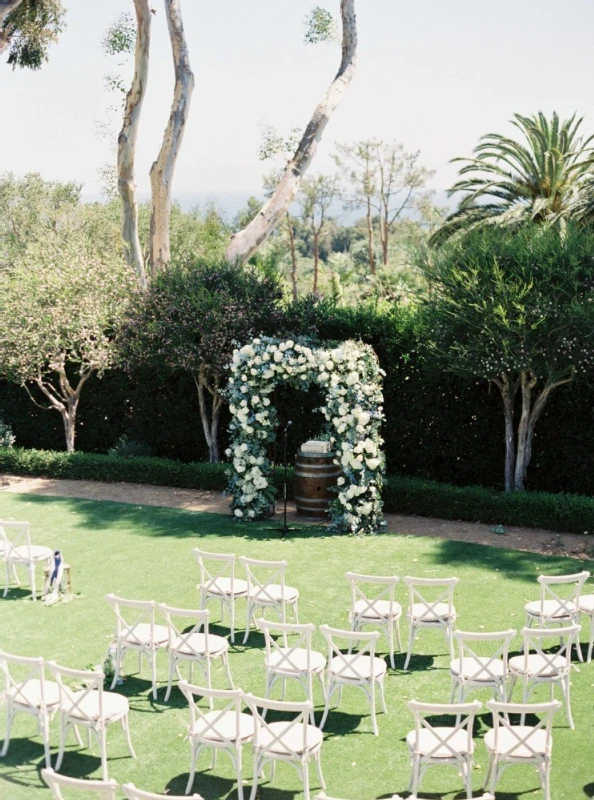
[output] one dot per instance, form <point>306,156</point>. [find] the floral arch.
<point>349,373</point>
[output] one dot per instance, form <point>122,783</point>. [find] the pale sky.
<point>433,74</point>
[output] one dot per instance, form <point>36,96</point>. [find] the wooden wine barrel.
<point>314,475</point>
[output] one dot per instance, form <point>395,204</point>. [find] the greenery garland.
<point>351,376</point>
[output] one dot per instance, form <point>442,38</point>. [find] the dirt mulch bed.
<point>534,540</point>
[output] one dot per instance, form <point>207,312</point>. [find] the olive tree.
<point>191,317</point>
<point>59,307</point>
<point>515,308</point>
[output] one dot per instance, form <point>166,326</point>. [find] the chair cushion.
<point>36,552</point>
<point>114,706</point>
<point>272,594</point>
<point>225,727</point>
<point>435,613</point>
<point>587,603</point>
<point>428,740</point>
<point>141,635</point>
<point>222,586</point>
<point>551,609</point>
<point>471,670</point>
<point>30,693</point>
<point>507,744</point>
<point>297,662</point>
<point>290,738</point>
<point>196,644</point>
<point>537,665</point>
<point>380,609</point>
<point>361,668</point>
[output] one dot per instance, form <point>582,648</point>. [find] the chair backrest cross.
<point>24,681</point>
<point>132,793</point>
<point>75,687</point>
<point>217,571</point>
<point>261,576</point>
<point>564,592</point>
<point>548,662</point>
<point>16,539</point>
<point>347,666</point>
<point>181,635</point>
<point>132,619</point>
<point>445,739</point>
<point>484,668</point>
<point>287,742</point>
<point>370,593</point>
<point>214,723</point>
<point>285,655</point>
<point>523,741</point>
<point>434,598</point>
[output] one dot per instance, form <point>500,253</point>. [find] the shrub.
<point>7,437</point>
<point>128,448</point>
<point>568,513</point>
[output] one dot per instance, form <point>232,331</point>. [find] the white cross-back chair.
<point>586,606</point>
<point>103,790</point>
<point>132,793</point>
<point>474,670</point>
<point>358,667</point>
<point>441,745</point>
<point>226,728</point>
<point>295,741</point>
<point>430,605</point>
<point>324,796</point>
<point>537,665</point>
<point>26,691</point>
<point>89,707</point>
<point>18,551</point>
<point>509,744</point>
<point>267,589</point>
<point>296,660</point>
<point>559,602</point>
<point>137,632</point>
<point>3,550</point>
<point>373,603</point>
<point>193,644</point>
<point>218,582</point>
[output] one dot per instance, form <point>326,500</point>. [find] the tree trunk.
<point>65,400</point>
<point>370,238</point>
<point>246,242</point>
<point>162,170</point>
<point>127,142</point>
<point>316,254</point>
<point>528,422</point>
<point>385,231</point>
<point>6,7</point>
<point>69,419</point>
<point>508,393</point>
<point>293,258</point>
<point>210,417</point>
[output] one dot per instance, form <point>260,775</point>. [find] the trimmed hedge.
<point>568,513</point>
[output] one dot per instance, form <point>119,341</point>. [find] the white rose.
<point>357,463</point>
<point>251,513</point>
<point>255,400</point>
<point>352,378</point>
<point>243,447</point>
<point>266,401</point>
<point>372,463</point>
<point>290,343</point>
<point>278,356</point>
<point>340,481</point>
<point>364,418</point>
<point>238,512</point>
<point>329,366</point>
<point>269,373</point>
<point>366,508</point>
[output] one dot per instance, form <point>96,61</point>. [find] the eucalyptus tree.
<point>316,196</point>
<point>539,178</point>
<point>515,308</point>
<point>320,28</point>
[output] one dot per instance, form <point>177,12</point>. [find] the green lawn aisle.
<point>144,553</point>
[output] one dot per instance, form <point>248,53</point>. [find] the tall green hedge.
<point>438,427</point>
<point>402,495</point>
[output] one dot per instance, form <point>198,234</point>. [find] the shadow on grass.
<point>589,789</point>
<point>20,593</point>
<point>510,563</point>
<point>23,763</point>
<point>163,521</point>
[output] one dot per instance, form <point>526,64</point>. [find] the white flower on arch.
<point>352,379</point>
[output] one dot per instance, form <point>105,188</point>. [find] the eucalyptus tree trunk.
<point>293,257</point>
<point>508,389</point>
<point>65,400</point>
<point>6,7</point>
<point>127,142</point>
<point>316,255</point>
<point>247,241</point>
<point>162,170</point>
<point>370,238</point>
<point>210,412</point>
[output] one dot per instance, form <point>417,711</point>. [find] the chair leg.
<point>305,779</point>
<point>547,780</point>
<point>416,775</point>
<point>372,701</point>
<point>454,690</point>
<point>468,775</point>
<point>295,613</point>
<point>103,743</point>
<point>32,580</point>
<point>62,746</point>
<point>248,622</point>
<point>228,670</point>
<point>391,640</point>
<point>232,616</point>
<point>126,727</point>
<point>318,760</point>
<point>154,672</point>
<point>193,758</point>
<point>411,639</point>
<point>170,678</point>
<point>117,667</point>
<point>329,693</point>
<point>7,736</point>
<point>310,696</point>
<point>591,646</point>
<point>7,581</point>
<point>565,684</point>
<point>44,722</point>
<point>383,696</point>
<point>239,774</point>
<point>255,776</point>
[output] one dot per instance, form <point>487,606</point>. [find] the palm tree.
<point>544,178</point>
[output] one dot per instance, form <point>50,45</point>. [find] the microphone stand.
<point>284,528</point>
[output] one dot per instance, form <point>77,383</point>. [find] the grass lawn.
<point>144,553</point>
